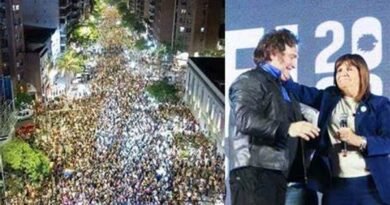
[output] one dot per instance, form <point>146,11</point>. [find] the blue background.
<point>308,14</point>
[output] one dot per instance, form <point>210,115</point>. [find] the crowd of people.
<point>119,146</point>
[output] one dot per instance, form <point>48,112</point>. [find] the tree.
<point>162,91</point>
<point>23,97</point>
<point>122,7</point>
<point>141,44</point>
<point>20,157</point>
<point>111,2</point>
<point>85,34</point>
<point>70,62</point>
<point>129,20</point>
<point>163,50</point>
<point>180,44</point>
<point>97,8</point>
<point>212,53</point>
<point>139,27</point>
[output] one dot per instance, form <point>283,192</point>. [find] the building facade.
<point>11,63</point>
<point>137,7</point>
<point>204,94</point>
<point>38,57</point>
<point>198,24</point>
<point>186,25</point>
<point>55,14</point>
<point>80,10</point>
<point>162,12</point>
<point>12,41</point>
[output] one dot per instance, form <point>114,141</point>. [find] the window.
<point>182,29</point>
<point>202,29</point>
<point>183,11</point>
<point>4,43</point>
<point>15,7</point>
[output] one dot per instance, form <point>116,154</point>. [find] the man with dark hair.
<point>265,124</point>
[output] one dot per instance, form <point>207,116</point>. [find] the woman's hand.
<point>345,134</point>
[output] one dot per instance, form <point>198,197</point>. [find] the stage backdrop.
<point>326,29</point>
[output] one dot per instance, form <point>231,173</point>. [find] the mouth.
<point>344,78</point>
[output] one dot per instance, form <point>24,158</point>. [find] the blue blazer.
<point>372,120</point>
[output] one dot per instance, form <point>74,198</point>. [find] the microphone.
<point>344,123</point>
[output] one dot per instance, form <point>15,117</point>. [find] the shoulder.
<point>249,84</point>
<point>332,90</point>
<point>252,76</point>
<point>378,101</point>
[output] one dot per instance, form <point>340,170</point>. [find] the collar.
<point>271,70</point>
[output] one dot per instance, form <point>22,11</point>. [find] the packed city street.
<point>118,145</point>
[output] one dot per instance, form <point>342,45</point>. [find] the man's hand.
<point>304,130</point>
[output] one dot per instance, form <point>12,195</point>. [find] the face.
<point>286,60</point>
<point>347,76</point>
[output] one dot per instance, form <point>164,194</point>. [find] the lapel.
<point>362,109</point>
<point>329,102</point>
<point>296,107</point>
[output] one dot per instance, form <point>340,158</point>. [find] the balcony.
<point>4,43</point>
<point>65,11</point>
<point>64,3</point>
<point>151,19</point>
<point>152,6</point>
<point>75,14</point>
<point>19,57</point>
<point>7,120</point>
<point>3,27</point>
<point>77,4</point>
<point>151,11</point>
<point>2,13</point>
<point>4,50</point>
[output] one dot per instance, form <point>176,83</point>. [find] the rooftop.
<point>37,35</point>
<point>214,69</point>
